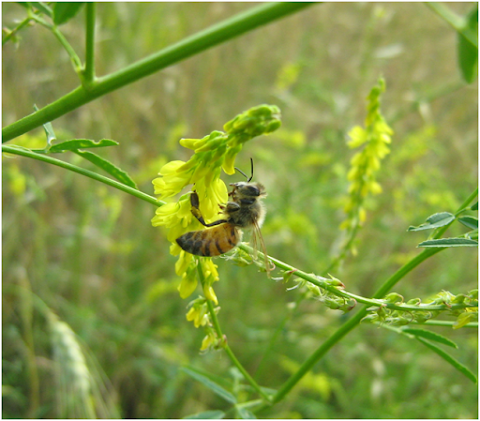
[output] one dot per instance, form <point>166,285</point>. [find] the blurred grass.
<point>90,253</point>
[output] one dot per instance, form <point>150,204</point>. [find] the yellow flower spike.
<point>210,294</point>
<point>192,143</point>
<point>183,262</point>
<point>191,314</point>
<point>175,249</point>
<point>171,167</point>
<point>229,160</point>
<point>208,341</point>
<point>212,153</point>
<point>189,283</point>
<point>374,139</point>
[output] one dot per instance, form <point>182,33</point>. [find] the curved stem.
<point>14,31</point>
<point>17,150</point>
<point>330,342</point>
<point>227,349</point>
<point>214,35</point>
<point>68,48</point>
<point>376,301</point>
<point>356,319</point>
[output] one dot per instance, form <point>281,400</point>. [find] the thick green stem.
<point>214,35</point>
<point>89,71</point>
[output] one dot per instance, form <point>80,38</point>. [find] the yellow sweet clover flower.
<point>200,316</point>
<point>212,153</point>
<point>209,341</point>
<point>374,138</point>
<point>198,313</point>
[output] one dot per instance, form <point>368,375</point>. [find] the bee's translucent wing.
<point>257,237</point>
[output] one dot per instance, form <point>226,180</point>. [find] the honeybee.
<point>244,210</point>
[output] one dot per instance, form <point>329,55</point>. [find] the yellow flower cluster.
<point>199,315</point>
<point>213,153</point>
<point>375,138</point>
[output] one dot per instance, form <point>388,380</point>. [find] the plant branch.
<point>456,22</point>
<point>18,150</point>
<point>210,37</point>
<point>318,281</point>
<point>372,302</point>
<point>227,349</point>
<point>14,31</point>
<point>356,319</point>
<point>330,342</point>
<point>89,70</point>
<point>445,323</point>
<point>77,64</point>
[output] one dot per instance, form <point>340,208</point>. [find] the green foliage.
<point>64,11</point>
<point>468,52</point>
<point>99,265</point>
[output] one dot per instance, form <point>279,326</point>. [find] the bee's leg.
<point>195,202</point>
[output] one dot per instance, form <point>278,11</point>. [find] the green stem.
<point>89,71</point>
<point>456,22</point>
<point>320,282</point>
<point>214,35</point>
<point>13,32</point>
<point>231,355</point>
<point>371,302</point>
<point>77,64</point>
<point>445,323</point>
<point>45,158</point>
<point>356,319</point>
<point>330,342</point>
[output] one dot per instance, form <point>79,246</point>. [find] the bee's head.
<point>247,190</point>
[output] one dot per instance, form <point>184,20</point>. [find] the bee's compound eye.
<point>251,190</point>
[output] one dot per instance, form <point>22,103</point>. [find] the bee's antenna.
<point>241,172</point>
<point>251,176</point>
<point>245,175</point>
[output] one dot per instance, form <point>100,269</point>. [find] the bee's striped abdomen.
<point>210,242</point>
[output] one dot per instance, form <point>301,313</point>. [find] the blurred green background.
<point>90,254</point>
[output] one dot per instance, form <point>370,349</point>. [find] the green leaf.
<point>434,221</point>
<point>74,144</point>
<point>107,166</point>
<point>42,7</point>
<point>447,357</point>
<point>467,52</point>
<point>469,221</point>
<point>449,242</point>
<point>245,414</point>
<point>214,387</point>
<point>206,415</point>
<point>474,206</point>
<point>465,318</point>
<point>430,335</point>
<point>64,11</point>
<point>48,129</point>
<point>472,235</point>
